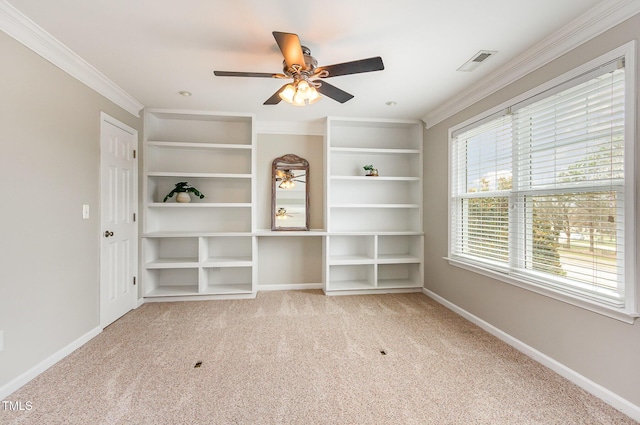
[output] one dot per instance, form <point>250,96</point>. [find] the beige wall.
<point>602,349</point>
<point>272,146</point>
<point>49,167</point>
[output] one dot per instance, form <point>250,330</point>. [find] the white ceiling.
<point>153,49</point>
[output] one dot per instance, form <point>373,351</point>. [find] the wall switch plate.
<point>85,211</point>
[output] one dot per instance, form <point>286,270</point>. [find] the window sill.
<point>620,314</point>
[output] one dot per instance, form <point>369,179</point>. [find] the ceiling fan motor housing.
<point>310,64</point>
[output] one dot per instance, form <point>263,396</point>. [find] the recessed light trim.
<point>185,93</point>
<point>391,103</point>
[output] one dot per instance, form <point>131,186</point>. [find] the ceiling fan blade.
<point>290,47</point>
<point>354,67</point>
<point>248,74</point>
<point>275,99</point>
<point>334,93</point>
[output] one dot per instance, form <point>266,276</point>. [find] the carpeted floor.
<point>300,357</point>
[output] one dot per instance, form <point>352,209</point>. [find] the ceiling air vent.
<point>476,60</point>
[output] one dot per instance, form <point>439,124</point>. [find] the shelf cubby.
<point>226,280</point>
<point>198,127</point>
<point>375,190</point>
<point>216,188</point>
<point>404,275</point>
<point>351,277</point>
<point>389,164</point>
<point>177,158</point>
<point>218,251</point>
<point>191,218</point>
<point>352,218</point>
<point>170,252</point>
<point>400,248</point>
<point>352,249</point>
<point>171,282</point>
<point>375,133</point>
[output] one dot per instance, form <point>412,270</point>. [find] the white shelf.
<point>376,151</point>
<point>350,285</point>
<point>172,290</point>
<point>204,247</point>
<point>228,289</point>
<point>173,263</point>
<point>375,239</point>
<point>398,283</point>
<point>398,258</point>
<point>350,259</point>
<point>199,175</point>
<point>187,145</point>
<point>375,206</point>
<point>376,179</point>
<point>196,204</point>
<point>227,262</point>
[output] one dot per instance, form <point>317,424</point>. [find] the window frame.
<point>630,310</point>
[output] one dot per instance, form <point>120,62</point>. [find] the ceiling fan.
<point>287,178</point>
<point>303,68</point>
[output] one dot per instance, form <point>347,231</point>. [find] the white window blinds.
<point>538,192</point>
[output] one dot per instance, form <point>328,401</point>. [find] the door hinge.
<point>134,280</point>
<point>134,154</point>
<point>134,216</point>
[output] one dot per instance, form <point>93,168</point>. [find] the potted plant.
<point>183,189</point>
<point>370,170</point>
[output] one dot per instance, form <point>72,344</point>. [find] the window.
<point>542,190</point>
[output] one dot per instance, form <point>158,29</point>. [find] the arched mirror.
<point>290,193</point>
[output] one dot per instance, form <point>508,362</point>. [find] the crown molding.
<point>18,26</point>
<point>594,22</point>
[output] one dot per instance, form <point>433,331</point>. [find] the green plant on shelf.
<point>183,187</point>
<point>371,171</point>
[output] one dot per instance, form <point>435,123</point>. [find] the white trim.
<point>606,395</point>
<point>30,374</point>
<point>306,128</point>
<point>20,27</point>
<point>599,19</point>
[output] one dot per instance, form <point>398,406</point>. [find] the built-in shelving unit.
<point>205,247</point>
<point>371,241</point>
<point>374,225</point>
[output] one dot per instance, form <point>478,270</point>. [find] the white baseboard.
<point>27,376</point>
<point>586,384</point>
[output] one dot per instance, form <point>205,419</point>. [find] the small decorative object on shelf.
<point>370,170</point>
<point>182,190</point>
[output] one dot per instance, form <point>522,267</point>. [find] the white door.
<point>119,227</point>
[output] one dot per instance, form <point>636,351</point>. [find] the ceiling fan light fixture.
<point>288,93</point>
<point>300,93</point>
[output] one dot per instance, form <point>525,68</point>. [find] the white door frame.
<point>133,302</point>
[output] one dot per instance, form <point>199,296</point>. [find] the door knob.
<point>107,234</point>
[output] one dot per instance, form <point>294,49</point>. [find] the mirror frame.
<point>289,162</point>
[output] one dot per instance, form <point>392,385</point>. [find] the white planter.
<point>183,197</point>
